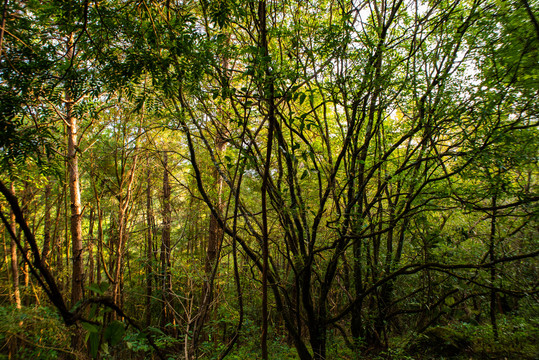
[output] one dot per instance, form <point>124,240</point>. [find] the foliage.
<point>365,172</point>
<point>32,333</point>
<point>476,341</point>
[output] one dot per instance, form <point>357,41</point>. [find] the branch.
<point>532,16</point>
<point>414,268</point>
<point>46,280</point>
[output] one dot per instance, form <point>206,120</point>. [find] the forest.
<point>269,179</point>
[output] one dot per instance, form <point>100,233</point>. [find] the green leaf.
<point>157,330</point>
<point>91,328</point>
<point>99,289</point>
<point>94,344</point>
<point>115,332</point>
<point>104,286</point>
<point>93,311</point>
<point>95,288</point>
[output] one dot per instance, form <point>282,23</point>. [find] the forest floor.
<point>37,333</point>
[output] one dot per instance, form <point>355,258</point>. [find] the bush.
<point>32,333</point>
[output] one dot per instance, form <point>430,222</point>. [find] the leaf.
<point>115,332</point>
<point>99,289</point>
<point>91,328</point>
<point>105,348</point>
<point>104,286</point>
<point>94,344</point>
<point>95,288</point>
<point>93,311</point>
<point>77,304</point>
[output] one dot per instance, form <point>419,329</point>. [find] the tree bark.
<point>90,248</point>
<point>47,225</point>
<point>149,245</point>
<point>166,283</point>
<point>4,16</point>
<point>124,201</point>
<point>74,192</point>
<point>492,257</point>
<point>215,234</point>
<point>14,260</point>
<point>77,275</point>
<point>269,99</point>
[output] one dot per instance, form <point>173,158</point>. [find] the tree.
<point>365,159</point>
<point>366,171</point>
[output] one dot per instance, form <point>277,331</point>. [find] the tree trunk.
<point>77,275</point>
<point>215,235</point>
<point>318,341</point>
<point>74,192</point>
<point>492,258</point>
<point>90,249</point>
<point>14,261</point>
<point>149,245</point>
<point>26,202</point>
<point>125,192</point>
<point>100,256</point>
<point>122,223</point>
<point>356,325</point>
<point>166,283</point>
<point>47,225</point>
<point>60,230</point>
<point>269,90</point>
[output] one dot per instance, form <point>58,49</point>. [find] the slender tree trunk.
<point>269,99</point>
<point>214,239</point>
<point>90,245</point>
<point>215,235</point>
<point>26,198</point>
<point>74,192</point>
<point>149,245</point>
<point>59,237</point>
<point>14,261</point>
<point>47,225</point>
<point>356,325</point>
<point>66,241</point>
<point>122,222</point>
<point>208,304</point>
<point>4,15</point>
<point>492,257</point>
<point>100,255</point>
<point>99,245</point>
<point>165,247</point>
<point>125,186</point>
<point>77,275</point>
